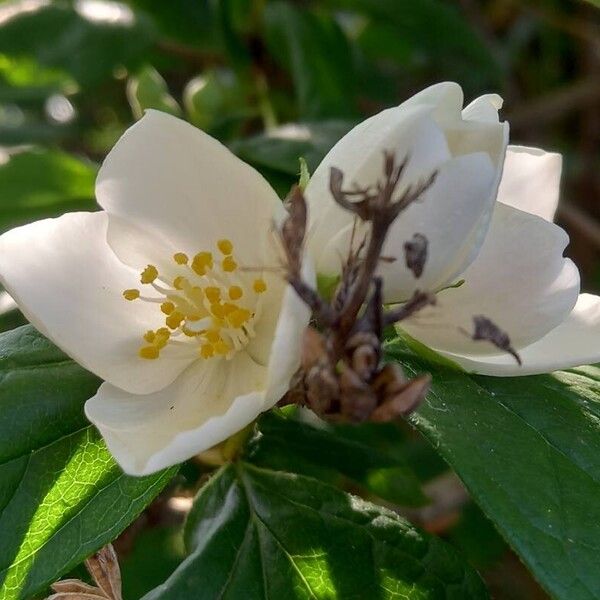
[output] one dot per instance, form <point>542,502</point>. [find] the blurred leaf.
<point>20,127</point>
<point>190,21</point>
<point>147,89</point>
<point>215,100</point>
<point>255,533</point>
<point>87,38</point>
<point>43,183</point>
<point>281,148</point>
<point>477,538</point>
<point>370,454</point>
<point>61,494</point>
<point>24,80</point>
<point>317,54</point>
<point>156,553</point>
<point>528,450</point>
<point>430,33</point>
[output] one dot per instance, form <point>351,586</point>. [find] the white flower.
<point>501,242</point>
<point>150,294</point>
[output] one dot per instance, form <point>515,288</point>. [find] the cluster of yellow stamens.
<point>200,303</point>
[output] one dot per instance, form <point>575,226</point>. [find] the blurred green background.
<point>276,80</point>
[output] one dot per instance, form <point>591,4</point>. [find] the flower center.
<point>208,304</point>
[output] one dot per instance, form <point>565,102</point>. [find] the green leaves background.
<point>277,80</point>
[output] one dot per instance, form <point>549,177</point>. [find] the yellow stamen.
<point>206,351</point>
<point>179,282</point>
<point>259,286</point>
<point>167,307</point>
<point>196,295</point>
<point>229,265</point>
<point>238,317</point>
<point>131,294</point>
<point>221,347</point>
<point>181,258</point>
<point>174,319</point>
<point>235,292</point>
<point>217,309</point>
<point>189,332</point>
<point>150,352</point>
<point>149,274</point>
<point>213,294</point>
<point>149,336</point>
<point>225,246</point>
<point>202,262</point>
<point>212,336</point>
<point>162,337</point>
<point>229,308</point>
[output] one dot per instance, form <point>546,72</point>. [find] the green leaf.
<point>430,36</point>
<point>316,52</point>
<point>43,183</point>
<point>214,101</point>
<point>25,80</point>
<point>281,148</point>
<point>86,39</point>
<point>528,449</point>
<point>256,533</point>
<point>370,454</point>
<point>190,21</point>
<point>147,89</point>
<point>61,494</point>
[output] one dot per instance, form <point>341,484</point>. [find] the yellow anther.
<point>202,262</point>
<point>221,347</point>
<point>213,294</point>
<point>217,309</point>
<point>149,336</point>
<point>229,308</point>
<point>162,338</point>
<point>180,258</point>
<point>206,351</point>
<point>212,336</point>
<point>225,246</point>
<point>149,352</point>
<point>149,274</point>
<point>131,294</point>
<point>238,317</point>
<point>195,294</point>
<point>235,292</point>
<point>229,265</point>
<point>167,307</point>
<point>174,319</point>
<point>189,332</point>
<point>259,286</point>
<point>179,282</point>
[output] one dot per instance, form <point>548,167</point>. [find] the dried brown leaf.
<point>104,569</point>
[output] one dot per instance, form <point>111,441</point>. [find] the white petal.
<point>573,343</point>
<point>206,404</point>
<point>520,280</point>
<point>186,190</point>
<point>446,99</point>
<point>69,284</point>
<point>450,215</point>
<point>484,108</point>
<point>432,131</point>
<point>286,348</point>
<point>409,132</point>
<point>531,181</point>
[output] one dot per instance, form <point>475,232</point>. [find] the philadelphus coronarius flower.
<point>488,221</point>
<point>151,294</point>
